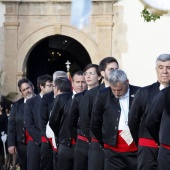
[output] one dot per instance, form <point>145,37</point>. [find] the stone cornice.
<point>53,1</point>
<point>35,1</point>
<point>109,24</point>
<point>16,24</point>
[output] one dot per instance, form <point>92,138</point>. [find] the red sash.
<point>83,138</point>
<point>165,146</point>
<point>54,149</point>
<point>44,139</point>
<point>121,145</point>
<point>94,140</point>
<point>26,137</point>
<point>73,142</point>
<point>147,142</point>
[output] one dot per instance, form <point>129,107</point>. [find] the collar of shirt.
<point>161,87</point>
<point>125,95</point>
<point>73,94</point>
<point>41,95</point>
<point>25,100</point>
<point>124,105</point>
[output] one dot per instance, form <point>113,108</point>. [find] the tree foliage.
<point>150,16</point>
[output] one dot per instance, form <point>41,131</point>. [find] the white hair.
<point>58,74</point>
<point>163,57</point>
<point>116,76</point>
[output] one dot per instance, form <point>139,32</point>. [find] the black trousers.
<point>46,156</point>
<point>65,157</point>
<point>22,155</point>
<point>96,156</point>
<point>55,160</point>
<point>120,160</point>
<point>33,156</point>
<point>147,158</point>
<point>163,159</point>
<point>81,155</point>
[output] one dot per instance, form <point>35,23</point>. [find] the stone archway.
<point>29,22</point>
<point>32,39</point>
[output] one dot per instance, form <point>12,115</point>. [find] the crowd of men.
<point>89,125</point>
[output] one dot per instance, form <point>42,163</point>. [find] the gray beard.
<point>29,96</point>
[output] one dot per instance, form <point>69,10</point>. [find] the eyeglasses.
<point>49,85</point>
<point>24,90</point>
<point>89,73</point>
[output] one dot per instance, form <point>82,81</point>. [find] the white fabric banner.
<point>80,12</point>
<point>158,4</point>
<point>50,134</point>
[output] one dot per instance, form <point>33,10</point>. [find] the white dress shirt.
<point>124,104</point>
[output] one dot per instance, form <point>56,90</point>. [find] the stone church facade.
<point>27,22</point>
<point>116,29</point>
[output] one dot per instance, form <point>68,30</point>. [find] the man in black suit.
<point>92,77</point>
<point>95,153</point>
<point>44,85</point>
<point>48,160</point>
<point>147,147</point>
<point>17,137</point>
<point>59,122</point>
<point>158,121</point>
<point>109,122</point>
<point>78,82</point>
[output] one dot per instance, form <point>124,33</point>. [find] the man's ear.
<point>127,81</point>
<point>33,87</point>
<point>72,83</point>
<point>102,73</point>
<point>41,87</point>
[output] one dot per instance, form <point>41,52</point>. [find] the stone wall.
<point>2,19</point>
<point>116,29</point>
<point>27,22</point>
<point>145,41</point>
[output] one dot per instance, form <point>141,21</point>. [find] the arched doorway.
<point>51,53</point>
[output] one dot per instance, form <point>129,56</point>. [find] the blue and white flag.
<point>80,12</point>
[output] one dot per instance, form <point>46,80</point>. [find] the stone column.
<point>11,26</point>
<point>105,39</point>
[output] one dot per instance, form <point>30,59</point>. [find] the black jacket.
<point>16,127</point>
<point>31,118</point>
<point>3,123</point>
<point>74,115</point>
<point>106,114</point>
<point>60,118</point>
<point>45,108</point>
<point>86,107</point>
<point>139,111</point>
<point>158,119</point>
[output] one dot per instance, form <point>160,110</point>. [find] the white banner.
<point>158,4</point>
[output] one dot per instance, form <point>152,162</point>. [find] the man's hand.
<point>12,149</point>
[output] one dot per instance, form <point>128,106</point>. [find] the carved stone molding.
<point>11,24</point>
<point>57,28</point>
